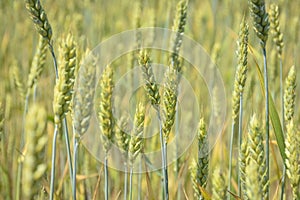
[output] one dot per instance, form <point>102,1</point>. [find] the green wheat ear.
<point>241,71</point>
<point>63,90</point>
<point>257,154</point>
<point>292,158</point>
<point>290,95</point>
<point>199,168</point>
<point>260,20</point>
<point>136,142</point>
<point>151,87</point>
<point>275,29</point>
<point>105,115</point>
<point>39,18</point>
<point>34,164</point>
<point>83,100</point>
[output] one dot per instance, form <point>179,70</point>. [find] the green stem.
<point>267,114</point>
<point>240,138</point>
<point>66,133</point>
<point>230,158</point>
<point>164,157</point>
<point>106,176</point>
<point>76,146</point>
<point>125,180</point>
<point>54,60</point>
<point>53,163</point>
<point>130,183</point>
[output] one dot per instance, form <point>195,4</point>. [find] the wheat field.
<point>139,119</point>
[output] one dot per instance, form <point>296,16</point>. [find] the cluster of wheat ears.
<point>258,159</point>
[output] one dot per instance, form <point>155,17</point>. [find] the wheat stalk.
<point>243,162</point>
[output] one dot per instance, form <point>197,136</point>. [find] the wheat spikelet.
<point>63,90</point>
<point>292,158</point>
<point>241,71</point>
<point>36,140</point>
<point>84,97</point>
<point>150,86</point>
<point>39,18</point>
<point>178,27</point>
<point>260,20</point>
<point>169,101</point>
<point>253,189</point>
<point>105,115</point>
<point>275,29</point>
<point>257,154</point>
<point>219,186</point>
<point>290,95</point>
<point>136,142</point>
<point>243,162</point>
<point>200,168</point>
<point>38,63</point>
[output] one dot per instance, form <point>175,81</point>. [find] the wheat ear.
<point>257,154</point>
<point>261,27</point>
<point>292,158</point>
<point>219,186</point>
<point>150,84</point>
<point>237,96</point>
<point>136,142</point>
<point>63,92</point>
<point>82,108</point>
<point>105,117</point>
<point>36,141</point>
<point>275,29</point>
<point>290,95</point>
<point>200,167</point>
<point>39,18</point>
